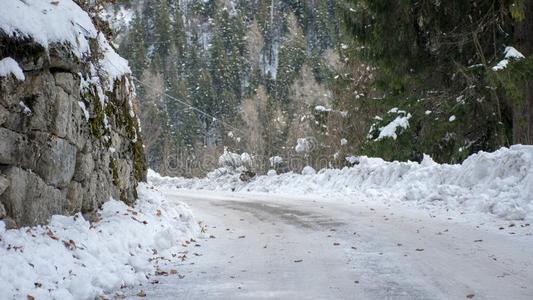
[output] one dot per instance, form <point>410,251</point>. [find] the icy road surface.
<point>271,247</point>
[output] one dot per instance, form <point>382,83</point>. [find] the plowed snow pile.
<point>74,259</point>
<point>499,183</point>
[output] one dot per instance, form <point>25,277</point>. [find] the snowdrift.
<point>499,183</point>
<point>73,259</point>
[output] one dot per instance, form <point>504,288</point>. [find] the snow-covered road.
<point>271,247</point>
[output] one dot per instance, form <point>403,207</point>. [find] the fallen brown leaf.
<point>141,294</point>
<point>52,235</point>
<point>70,244</point>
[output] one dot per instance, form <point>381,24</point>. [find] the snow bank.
<point>499,183</point>
<point>73,259</point>
<point>308,171</point>
<point>9,66</point>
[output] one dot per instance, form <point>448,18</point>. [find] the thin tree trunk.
<point>523,110</point>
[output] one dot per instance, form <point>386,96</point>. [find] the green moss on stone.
<point>97,121</point>
<point>114,171</point>
<point>139,162</point>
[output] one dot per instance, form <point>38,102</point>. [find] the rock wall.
<point>67,145</point>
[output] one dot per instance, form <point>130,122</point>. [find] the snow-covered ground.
<point>495,185</point>
<point>377,230</point>
<point>332,233</point>
<point>267,246</point>
<point>74,259</point>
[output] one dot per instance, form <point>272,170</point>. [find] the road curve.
<point>271,247</point>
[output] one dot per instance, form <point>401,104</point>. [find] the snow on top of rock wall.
<point>63,22</point>
<point>48,22</point>
<point>111,63</point>
<point>9,66</point>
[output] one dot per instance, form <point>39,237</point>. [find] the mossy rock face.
<point>139,162</point>
<point>96,141</point>
<point>121,124</point>
<point>97,121</point>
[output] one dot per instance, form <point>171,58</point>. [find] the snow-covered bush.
<point>303,146</point>
<point>234,161</point>
<point>275,161</point>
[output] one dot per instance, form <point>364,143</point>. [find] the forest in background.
<point>319,81</point>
